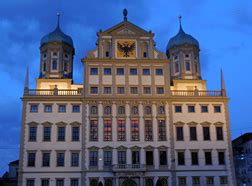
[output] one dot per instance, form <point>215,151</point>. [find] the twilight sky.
<point>223,29</point>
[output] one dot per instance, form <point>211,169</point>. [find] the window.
<point>65,66</point>
<point>133,90</point>
<point>204,108</point>
<point>134,110</point>
<point>146,71</point>
<point>193,133</point>
<point>74,182</point>
<point>93,130</point>
<point>31,159</point>
<point>60,159</point>
<point>33,108</point>
<point>196,67</point>
<point>121,110</point>
<point>76,108</point>
<point>107,158</point>
<point>159,72</point>
<point>221,158</point>
<point>45,159</point>
<point>188,66</point>
<point>93,71</point>
<point>108,182</point>
<point>30,182</point>
<point>181,158</point>
<point>195,159</point>
<point>93,158</point>
<point>75,133</point>
<point>121,157</point>
<point>145,54</point>
<point>210,180</point>
<point>160,90</point>
<point>107,71</point>
<point>147,90</point>
<point>148,130</point>
<point>223,180</point>
<point>55,54</point>
<point>178,108</point>
<point>94,90</point>
<point>149,157</point>
<point>176,67</point>
<point>191,108</point>
<point>208,158</point>
<point>120,71</point>
<point>219,133</point>
<point>161,130</point>
<point>107,110</point>
<point>180,133</point>
<point>196,180</point>
<point>33,134</point>
<point>120,90</point>
<point>134,129</point>
<point>93,110</point>
<point>48,108</point>
<point>148,110</point>
<point>135,157</point>
<point>107,53</point>
<point>59,182</point>
<point>47,134</point>
<point>182,181</point>
<point>107,130</point>
<point>162,157</point>
<point>45,182</point>
<point>121,130</point>
<point>133,71</point>
<point>62,108</point>
<point>107,90</point>
<point>217,109</point>
<point>206,133</point>
<point>75,159</point>
<point>161,110</point>
<point>61,133</point>
<point>54,64</point>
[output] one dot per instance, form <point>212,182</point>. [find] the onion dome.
<point>57,36</point>
<point>181,39</point>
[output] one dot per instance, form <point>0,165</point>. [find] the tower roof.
<point>57,36</point>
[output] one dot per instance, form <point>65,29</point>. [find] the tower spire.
<point>180,23</point>
<point>223,86</point>
<point>26,83</point>
<point>58,23</point>
<point>125,13</point>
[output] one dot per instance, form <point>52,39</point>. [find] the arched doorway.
<point>162,182</point>
<point>129,182</point>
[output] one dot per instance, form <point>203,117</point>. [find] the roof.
<point>242,139</point>
<point>16,162</point>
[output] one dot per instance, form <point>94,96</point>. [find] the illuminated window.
<point>148,130</point>
<point>107,130</point>
<point>134,129</point>
<point>121,130</point>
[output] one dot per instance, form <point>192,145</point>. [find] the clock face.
<point>126,48</point>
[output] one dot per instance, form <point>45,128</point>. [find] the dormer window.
<point>188,66</point>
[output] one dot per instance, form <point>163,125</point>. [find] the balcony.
<point>129,167</point>
<point>200,93</point>
<point>53,92</point>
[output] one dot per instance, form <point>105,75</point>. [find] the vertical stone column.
<point>100,121</point>
<point>141,181</point>
<point>115,157</point>
<point>128,156</point>
<point>142,156</point>
<point>156,158</point>
<point>100,159</point>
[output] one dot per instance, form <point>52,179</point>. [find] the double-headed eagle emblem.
<point>126,48</point>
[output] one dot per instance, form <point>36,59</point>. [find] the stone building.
<point>141,116</point>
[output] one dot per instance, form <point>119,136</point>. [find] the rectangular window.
<point>133,90</point>
<point>195,159</point>
<point>121,157</point>
<point>208,158</point>
<point>196,180</point>
<point>161,130</point>
<point>204,108</point>
<point>181,158</point>
<point>148,130</point>
<point>210,180</point>
<point>45,182</point>
<point>75,159</point>
<point>134,129</point>
<point>93,71</point>
<point>191,109</point>
<point>182,181</point>
<point>47,108</point>
<point>107,53</point>
<point>121,130</point>
<point>45,159</point>
<point>180,133</point>
<point>107,90</point>
<point>120,71</point>
<point>54,64</point>
<point>76,108</point>
<point>59,182</point>
<point>33,134</point>
<point>107,71</point>
<point>33,108</point>
<point>146,71</point>
<point>149,157</point>
<point>61,133</point>
<point>47,134</point>
<point>178,108</point>
<point>133,71</point>
<point>31,159</point>
<point>135,157</point>
<point>159,72</point>
<point>107,158</point>
<point>60,159</point>
<point>74,182</point>
<point>217,109</point>
<point>219,133</point>
<point>162,157</point>
<point>147,90</point>
<point>62,108</point>
<point>193,133</point>
<point>120,90</point>
<point>75,133</point>
<point>93,158</point>
<point>206,133</point>
<point>160,90</point>
<point>30,182</point>
<point>223,180</point>
<point>221,158</point>
<point>93,130</point>
<point>107,129</point>
<point>94,90</point>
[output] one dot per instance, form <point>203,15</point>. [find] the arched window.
<point>149,182</point>
<point>161,182</point>
<point>54,64</point>
<point>44,66</point>
<point>134,110</point>
<point>108,182</point>
<point>94,110</point>
<point>176,67</point>
<point>161,110</point>
<point>147,110</point>
<point>93,182</point>
<point>107,110</point>
<point>65,66</point>
<point>188,66</point>
<point>121,110</point>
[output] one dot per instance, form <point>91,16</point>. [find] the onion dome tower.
<point>56,55</point>
<point>183,52</point>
